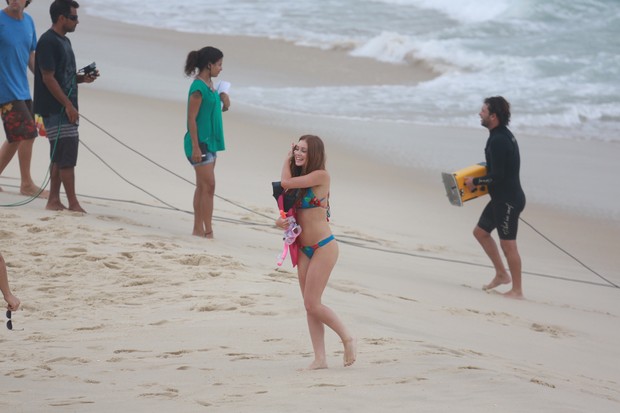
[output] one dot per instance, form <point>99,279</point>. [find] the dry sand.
<point>124,310</point>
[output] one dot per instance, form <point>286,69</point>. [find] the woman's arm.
<point>314,178</point>
<point>286,168</point>
<point>195,99</point>
<point>225,101</point>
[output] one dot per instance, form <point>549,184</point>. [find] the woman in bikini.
<point>304,169</point>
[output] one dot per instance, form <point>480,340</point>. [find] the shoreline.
<point>123,309</point>
<point>552,173</point>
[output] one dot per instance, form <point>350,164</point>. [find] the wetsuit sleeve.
<point>496,167</point>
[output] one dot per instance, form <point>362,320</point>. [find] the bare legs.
<point>66,177</point>
<point>509,247</point>
<point>313,276</point>
<point>514,263</point>
<point>24,154</point>
<point>7,152</point>
<point>203,200</point>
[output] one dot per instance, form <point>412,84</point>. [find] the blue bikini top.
<point>309,200</point>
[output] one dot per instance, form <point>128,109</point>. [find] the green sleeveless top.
<point>209,119</point>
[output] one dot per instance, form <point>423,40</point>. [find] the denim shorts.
<point>207,157</point>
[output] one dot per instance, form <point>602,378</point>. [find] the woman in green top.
<point>205,133</point>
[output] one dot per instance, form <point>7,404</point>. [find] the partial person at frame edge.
<point>12,301</point>
<point>18,41</point>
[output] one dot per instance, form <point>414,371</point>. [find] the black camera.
<point>90,70</point>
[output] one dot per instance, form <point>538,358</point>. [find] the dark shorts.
<point>18,120</point>
<point>64,140</point>
<point>502,215</point>
<point>207,157</point>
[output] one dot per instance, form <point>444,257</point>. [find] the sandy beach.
<point>122,309</point>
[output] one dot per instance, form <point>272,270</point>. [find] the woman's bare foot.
<point>202,234</point>
<point>350,351</point>
<point>317,365</point>
<point>497,281</point>
<point>517,295</point>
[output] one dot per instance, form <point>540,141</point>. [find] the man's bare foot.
<point>497,281</point>
<point>350,351</point>
<point>209,235</point>
<point>517,295</point>
<point>55,206</point>
<point>32,190</point>
<point>317,365</point>
<point>76,208</point>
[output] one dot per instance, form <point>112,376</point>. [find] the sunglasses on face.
<point>72,17</point>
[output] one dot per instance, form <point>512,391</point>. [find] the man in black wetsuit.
<point>507,197</point>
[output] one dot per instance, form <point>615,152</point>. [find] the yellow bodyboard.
<point>457,191</point>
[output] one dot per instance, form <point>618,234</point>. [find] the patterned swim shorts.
<point>18,120</point>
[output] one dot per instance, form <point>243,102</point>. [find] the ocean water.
<point>557,61</point>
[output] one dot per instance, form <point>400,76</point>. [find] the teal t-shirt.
<point>209,119</point>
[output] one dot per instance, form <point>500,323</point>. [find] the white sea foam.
<point>556,61</point>
<point>466,11</point>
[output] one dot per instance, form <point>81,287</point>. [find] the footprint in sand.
<point>6,234</point>
<point>214,307</point>
<point>553,331</point>
<point>68,360</point>
<point>271,340</point>
<point>195,260</point>
<point>76,249</point>
<point>542,383</point>
<point>92,328</point>
<point>242,356</point>
<point>16,374</point>
<point>35,230</point>
<point>400,297</point>
<point>280,275</point>
<point>169,354</point>
<point>379,341</point>
<point>168,393</point>
<point>70,402</point>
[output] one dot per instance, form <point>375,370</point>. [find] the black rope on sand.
<point>609,283</point>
